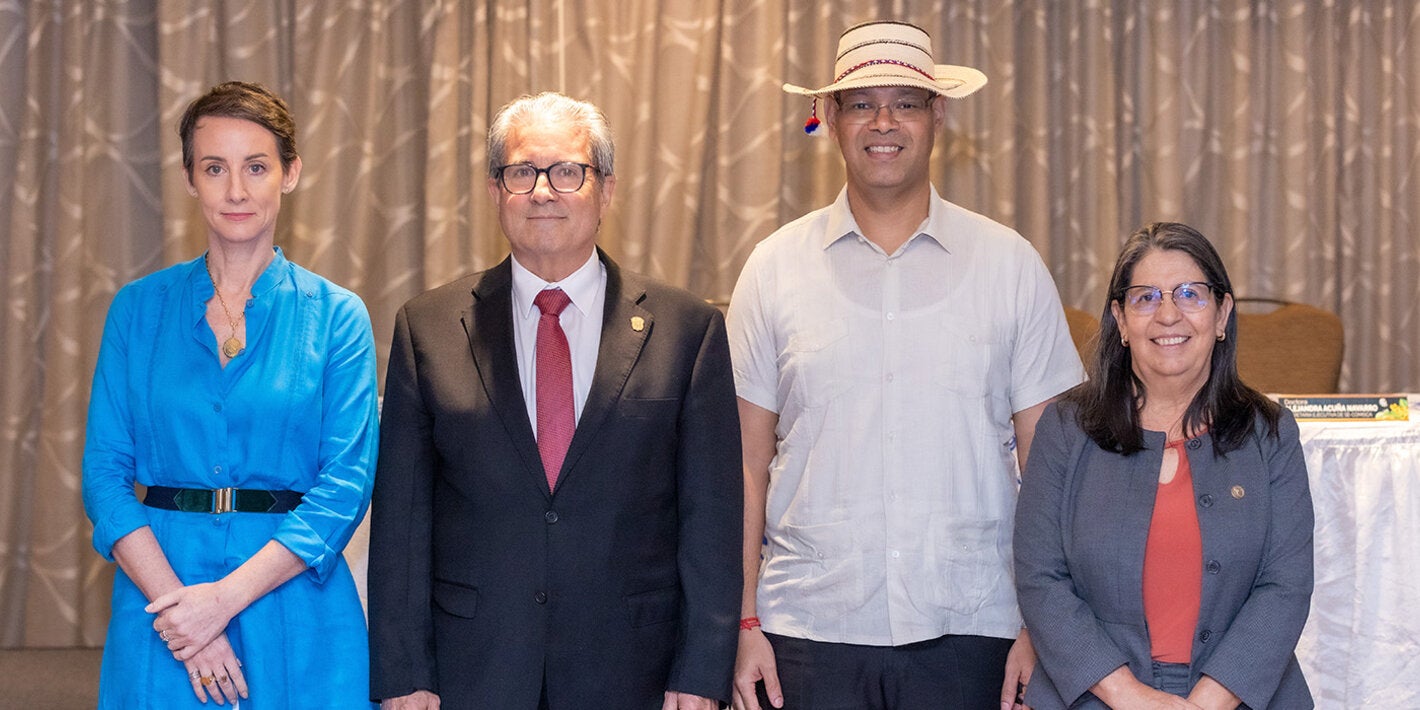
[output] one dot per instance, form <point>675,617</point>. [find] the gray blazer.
<point>1081,526</point>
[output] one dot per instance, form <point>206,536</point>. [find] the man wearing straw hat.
<point>892,353</point>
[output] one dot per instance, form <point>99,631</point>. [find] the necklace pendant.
<point>232,347</point>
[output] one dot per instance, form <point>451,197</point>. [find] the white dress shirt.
<point>893,488</point>
<point>581,321</point>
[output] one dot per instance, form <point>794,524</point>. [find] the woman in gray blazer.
<point>1163,535</point>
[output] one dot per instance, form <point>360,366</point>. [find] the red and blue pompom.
<point>812,124</point>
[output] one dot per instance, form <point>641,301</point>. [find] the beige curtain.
<point>1286,130</point>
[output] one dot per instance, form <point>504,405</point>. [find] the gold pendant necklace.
<point>232,346</point>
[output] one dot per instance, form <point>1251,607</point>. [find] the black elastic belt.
<point>221,500</point>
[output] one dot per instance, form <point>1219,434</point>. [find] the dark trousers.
<point>949,673</point>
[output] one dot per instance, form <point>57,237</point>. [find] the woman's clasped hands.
<point>192,621</point>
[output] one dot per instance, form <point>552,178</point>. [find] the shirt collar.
<point>841,223</point>
<point>269,279</point>
<point>580,286</point>
<point>275,272</point>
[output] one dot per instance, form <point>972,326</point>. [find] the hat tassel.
<point>812,124</point>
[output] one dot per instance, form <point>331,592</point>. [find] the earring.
<point>1124,342</point>
<point>1222,337</point>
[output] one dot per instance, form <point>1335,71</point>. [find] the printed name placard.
<point>1348,407</point>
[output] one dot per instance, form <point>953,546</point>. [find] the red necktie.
<point>556,419</point>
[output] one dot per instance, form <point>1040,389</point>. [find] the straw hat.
<point>884,53</point>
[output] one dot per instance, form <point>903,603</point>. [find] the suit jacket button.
<point>1214,567</point>
<point>550,516</point>
<point>1194,444</point>
<point>1206,500</point>
<point>1204,635</point>
<point>541,598</point>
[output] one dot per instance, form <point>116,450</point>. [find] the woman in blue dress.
<point>240,390</point>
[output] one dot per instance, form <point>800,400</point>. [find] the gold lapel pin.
<point>638,323</point>
<point>1239,492</point>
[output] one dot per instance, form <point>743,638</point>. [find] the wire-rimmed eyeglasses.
<point>902,109</point>
<point>1189,297</point>
<point>566,176</point>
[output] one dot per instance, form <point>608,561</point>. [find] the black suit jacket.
<point>622,584</point>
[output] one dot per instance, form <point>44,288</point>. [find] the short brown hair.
<point>247,101</point>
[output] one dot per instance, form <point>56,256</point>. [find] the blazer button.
<point>1206,500</point>
<point>550,516</point>
<point>1194,444</point>
<point>541,598</point>
<point>1204,635</point>
<point>1214,567</point>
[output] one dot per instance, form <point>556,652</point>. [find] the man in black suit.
<point>558,503</point>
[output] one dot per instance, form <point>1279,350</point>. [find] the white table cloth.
<point>1361,644</point>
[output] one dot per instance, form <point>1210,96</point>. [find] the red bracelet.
<point>749,622</point>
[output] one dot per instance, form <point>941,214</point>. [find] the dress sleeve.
<point>1258,647</point>
<point>318,529</point>
<point>109,444</point>
<point>1074,650</point>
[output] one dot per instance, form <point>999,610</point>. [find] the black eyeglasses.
<point>521,178</point>
<point>1189,297</point>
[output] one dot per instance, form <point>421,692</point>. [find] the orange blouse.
<point>1173,566</point>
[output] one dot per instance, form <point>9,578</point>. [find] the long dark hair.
<point>1108,404</point>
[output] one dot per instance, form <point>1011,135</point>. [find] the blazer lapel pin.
<point>638,323</point>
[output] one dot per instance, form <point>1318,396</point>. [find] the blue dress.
<point>297,410</point>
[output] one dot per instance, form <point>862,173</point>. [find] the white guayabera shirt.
<point>892,493</point>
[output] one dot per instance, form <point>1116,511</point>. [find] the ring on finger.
<point>164,635</point>
<point>194,675</point>
<point>207,680</point>
<point>222,679</point>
